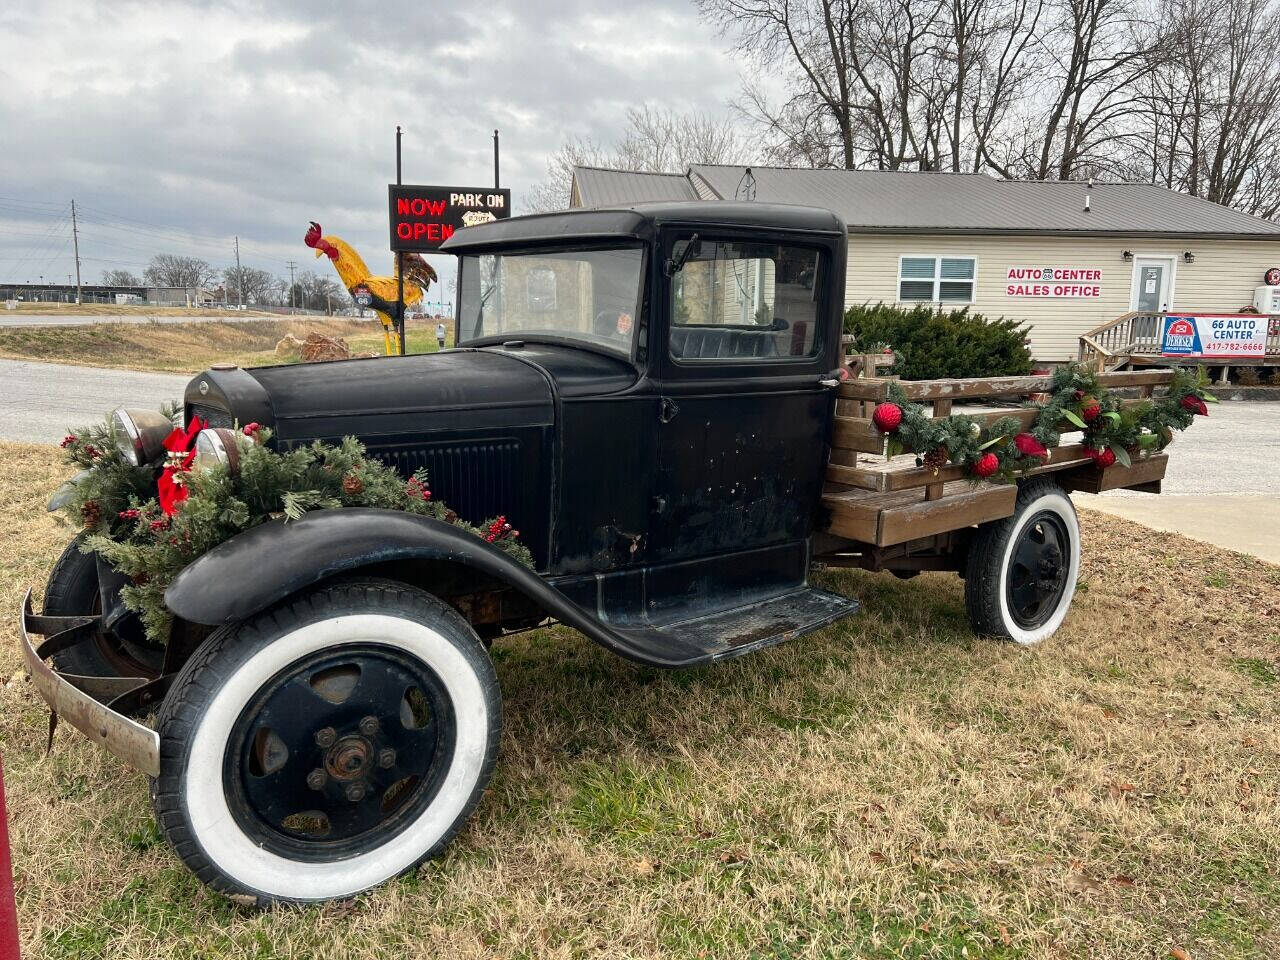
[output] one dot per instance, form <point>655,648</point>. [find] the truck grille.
<point>216,416</point>
<point>476,479</point>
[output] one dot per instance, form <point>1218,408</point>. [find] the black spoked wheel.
<point>1038,570</point>
<point>340,752</point>
<point>328,745</point>
<point>1021,572</point>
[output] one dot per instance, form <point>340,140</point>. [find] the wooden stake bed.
<point>886,502</point>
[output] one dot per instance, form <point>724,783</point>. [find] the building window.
<point>936,279</point>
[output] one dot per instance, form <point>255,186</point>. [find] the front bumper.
<point>71,697</point>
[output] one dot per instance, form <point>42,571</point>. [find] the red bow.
<point>171,493</point>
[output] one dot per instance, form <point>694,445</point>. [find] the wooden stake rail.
<point>886,502</point>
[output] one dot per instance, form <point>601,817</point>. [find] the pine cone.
<point>935,459</point>
<point>352,485</point>
<point>91,514</point>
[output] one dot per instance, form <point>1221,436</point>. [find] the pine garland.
<point>132,532</point>
<point>1004,450</point>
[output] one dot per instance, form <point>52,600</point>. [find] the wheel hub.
<point>1037,575</point>
<point>349,758</point>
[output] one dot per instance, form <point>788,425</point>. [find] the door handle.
<point>667,410</point>
<point>834,378</point>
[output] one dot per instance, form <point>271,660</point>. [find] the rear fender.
<point>268,563</point>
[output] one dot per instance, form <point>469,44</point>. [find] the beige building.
<point>1062,257</point>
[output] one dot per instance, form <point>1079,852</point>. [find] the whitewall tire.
<point>1021,572</point>
<point>328,745</point>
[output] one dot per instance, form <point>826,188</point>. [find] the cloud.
<point>178,125</point>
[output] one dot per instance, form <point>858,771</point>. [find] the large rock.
<point>288,346</point>
<point>319,347</point>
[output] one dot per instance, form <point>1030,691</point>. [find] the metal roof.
<point>894,201</point>
<point>609,188</point>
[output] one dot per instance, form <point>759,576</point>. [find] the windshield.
<point>590,295</point>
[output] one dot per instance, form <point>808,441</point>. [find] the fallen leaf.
<point>1177,953</point>
<point>1120,880</point>
<point>1079,883</point>
<point>878,857</point>
<point>644,867</point>
<point>1004,935</point>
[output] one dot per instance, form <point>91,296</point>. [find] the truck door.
<point>743,417</point>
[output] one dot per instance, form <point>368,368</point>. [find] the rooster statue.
<point>383,291</point>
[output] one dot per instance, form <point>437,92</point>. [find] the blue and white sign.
<point>1215,336</point>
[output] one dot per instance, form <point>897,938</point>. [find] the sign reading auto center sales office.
<point>1073,282</point>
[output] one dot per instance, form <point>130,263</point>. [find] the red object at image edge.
<point>8,905</point>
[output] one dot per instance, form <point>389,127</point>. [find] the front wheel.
<point>327,745</point>
<point>1021,571</point>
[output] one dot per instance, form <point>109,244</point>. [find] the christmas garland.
<point>1003,450</point>
<point>149,522</point>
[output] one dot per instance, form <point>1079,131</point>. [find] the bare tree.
<point>653,140</point>
<point>254,285</point>
<point>171,270</point>
<point>120,278</point>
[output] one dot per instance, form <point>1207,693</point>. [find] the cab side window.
<point>734,301</point>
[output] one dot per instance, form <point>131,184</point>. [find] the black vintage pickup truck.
<point>655,395</point>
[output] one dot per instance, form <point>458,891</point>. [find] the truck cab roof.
<point>640,222</point>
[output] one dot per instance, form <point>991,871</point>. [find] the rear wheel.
<point>326,746</point>
<point>1021,571</point>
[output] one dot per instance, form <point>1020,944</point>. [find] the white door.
<point>1152,281</point>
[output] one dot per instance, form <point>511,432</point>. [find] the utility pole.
<point>291,285</point>
<point>239,278</point>
<point>75,240</point>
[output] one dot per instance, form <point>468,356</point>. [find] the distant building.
<point>1061,256</point>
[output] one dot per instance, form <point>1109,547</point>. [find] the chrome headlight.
<point>140,434</point>
<point>216,446</point>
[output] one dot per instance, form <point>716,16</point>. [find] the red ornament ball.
<point>1103,458</point>
<point>1195,405</point>
<point>1091,411</point>
<point>986,465</point>
<point>887,417</point>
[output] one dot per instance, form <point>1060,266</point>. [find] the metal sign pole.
<point>399,262</point>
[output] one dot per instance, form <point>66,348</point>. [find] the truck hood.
<point>462,390</point>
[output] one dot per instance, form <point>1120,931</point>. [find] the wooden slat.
<point>871,388</point>
<point>1091,479</point>
<point>963,508</point>
<point>850,433</point>
<point>895,517</point>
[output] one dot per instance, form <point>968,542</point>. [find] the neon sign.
<point>422,218</point>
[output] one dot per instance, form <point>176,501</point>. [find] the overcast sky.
<point>178,125</point>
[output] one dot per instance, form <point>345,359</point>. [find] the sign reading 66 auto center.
<point>422,218</point>
<point>1220,336</point>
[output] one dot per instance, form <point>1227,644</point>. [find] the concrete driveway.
<point>39,401</point>
<point>1222,485</point>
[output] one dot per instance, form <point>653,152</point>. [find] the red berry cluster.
<point>500,530</point>
<point>130,514</point>
<point>416,490</point>
<point>68,440</point>
<point>160,523</point>
<point>251,429</point>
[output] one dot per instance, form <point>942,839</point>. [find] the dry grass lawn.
<point>191,347</point>
<point>890,787</point>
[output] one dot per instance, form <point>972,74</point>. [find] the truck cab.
<point>646,393</point>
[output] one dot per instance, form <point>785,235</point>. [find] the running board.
<point>737,630</point>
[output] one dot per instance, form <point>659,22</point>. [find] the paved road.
<point>39,401</point>
<point>1222,485</point>
<point>16,318</point>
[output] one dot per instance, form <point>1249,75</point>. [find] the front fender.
<point>262,566</point>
